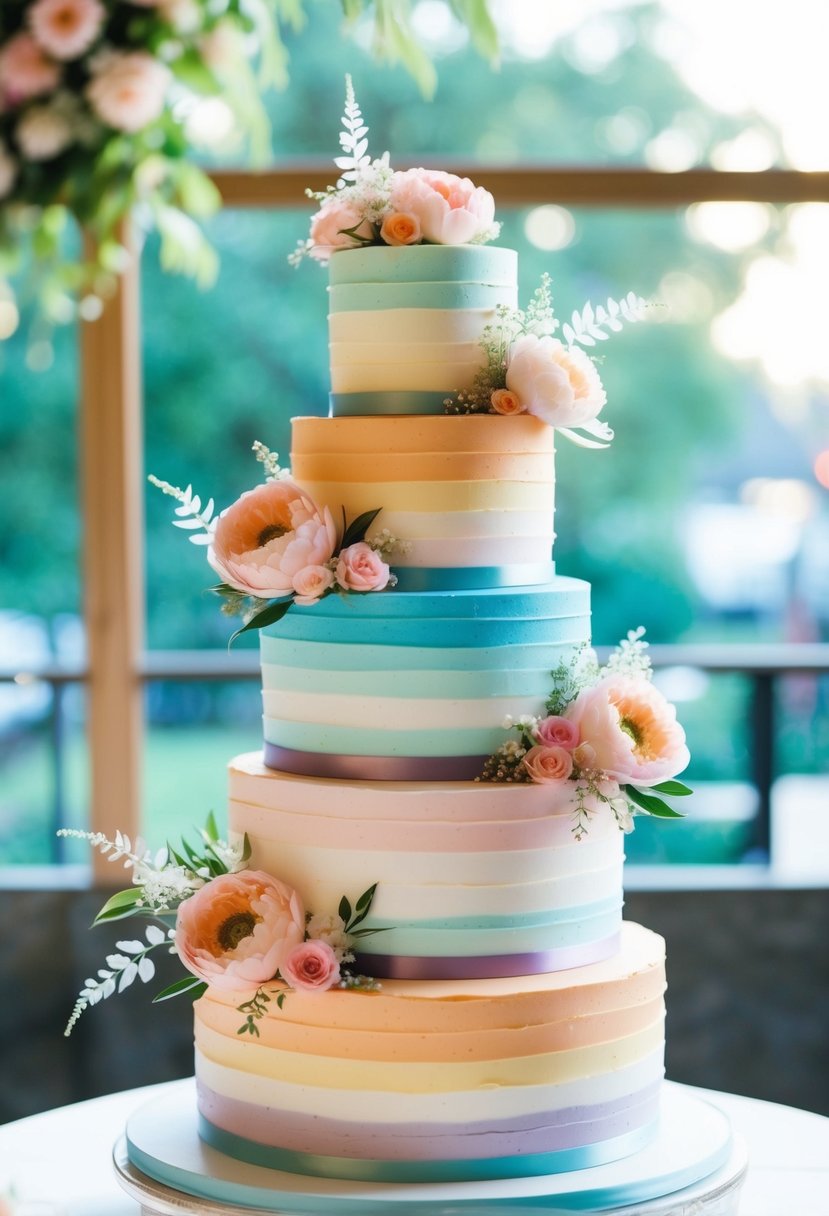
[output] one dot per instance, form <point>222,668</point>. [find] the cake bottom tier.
<point>442,1080</point>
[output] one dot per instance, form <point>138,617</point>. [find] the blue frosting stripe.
<point>471,578</point>
<point>364,657</point>
<point>369,1170</point>
<point>419,263</point>
<point>433,632</point>
<point>423,681</point>
<point>378,297</point>
<point>399,401</point>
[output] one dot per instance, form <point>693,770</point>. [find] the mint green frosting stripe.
<point>418,263</point>
<point>455,942</point>
<point>308,656</point>
<point>372,297</point>
<point>357,741</point>
<point>472,578</point>
<point>477,1169</point>
<point>422,682</point>
<point>401,401</point>
<point>553,916</point>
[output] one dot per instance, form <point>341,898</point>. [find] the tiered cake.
<point>518,1025</point>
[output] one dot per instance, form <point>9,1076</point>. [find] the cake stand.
<point>693,1167</point>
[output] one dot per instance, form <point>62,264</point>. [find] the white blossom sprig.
<point>631,657</point>
<point>270,462</point>
<point>121,970</point>
<point>352,139</point>
<point>192,515</point>
<point>591,325</point>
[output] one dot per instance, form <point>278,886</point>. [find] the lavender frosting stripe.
<point>485,967</point>
<point>373,768</point>
<point>575,1128</point>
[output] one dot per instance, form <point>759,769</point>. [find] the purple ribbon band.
<point>373,768</point>
<point>485,967</point>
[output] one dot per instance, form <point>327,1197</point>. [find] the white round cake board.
<point>163,1163</point>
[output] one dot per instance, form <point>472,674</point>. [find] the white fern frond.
<point>121,971</point>
<point>191,515</point>
<point>352,139</point>
<point>591,326</point>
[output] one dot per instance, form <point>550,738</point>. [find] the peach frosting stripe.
<point>460,495</point>
<point>420,435</point>
<point>423,1076</point>
<point>423,466</point>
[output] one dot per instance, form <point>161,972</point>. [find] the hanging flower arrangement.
<point>103,104</point>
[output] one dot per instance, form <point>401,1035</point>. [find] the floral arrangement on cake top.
<point>609,736</point>
<point>275,547</point>
<point>529,371</point>
<point>233,929</point>
<point>372,204</point>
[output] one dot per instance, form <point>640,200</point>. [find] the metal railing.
<point>763,665</point>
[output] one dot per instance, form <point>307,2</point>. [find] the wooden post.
<point>113,558</point>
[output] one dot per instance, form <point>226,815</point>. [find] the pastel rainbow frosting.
<point>405,323</point>
<point>438,1081</point>
<point>471,496</point>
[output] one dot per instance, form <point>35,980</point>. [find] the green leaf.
<point>344,910</point>
<point>653,806</point>
<point>246,849</point>
<point>475,14</point>
<point>675,789</point>
<point>356,530</point>
<point>211,830</point>
<point>190,983</point>
<point>364,902</point>
<point>119,905</point>
<point>269,615</point>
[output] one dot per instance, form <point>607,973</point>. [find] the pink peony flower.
<point>25,71</point>
<point>560,385</point>
<point>329,228</point>
<point>8,171</point>
<point>311,582</point>
<point>631,730</point>
<point>505,402</point>
<point>400,228</point>
<point>311,967</point>
<point>236,931</point>
<point>66,28</point>
<point>268,536</point>
<point>359,568</point>
<point>128,90</point>
<point>548,765</point>
<point>556,731</point>
<point>451,210</point>
<point>43,133</point>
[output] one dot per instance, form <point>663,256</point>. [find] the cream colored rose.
<point>556,383</point>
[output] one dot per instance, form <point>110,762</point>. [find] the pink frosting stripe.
<point>373,768</point>
<point>485,967</point>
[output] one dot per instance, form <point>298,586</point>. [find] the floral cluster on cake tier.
<point>233,929</point>
<point>609,734</point>
<point>275,547</point>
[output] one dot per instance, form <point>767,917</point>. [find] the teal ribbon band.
<point>472,578</point>
<point>402,401</point>
<point>472,1170</point>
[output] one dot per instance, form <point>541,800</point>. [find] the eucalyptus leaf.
<point>675,789</point>
<point>190,983</point>
<point>119,905</point>
<point>356,530</point>
<point>653,806</point>
<point>269,615</point>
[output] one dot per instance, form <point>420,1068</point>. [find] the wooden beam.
<point>111,468</point>
<point>527,185</point>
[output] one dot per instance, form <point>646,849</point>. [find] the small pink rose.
<point>311,582</point>
<point>401,228</point>
<point>337,225</point>
<point>556,731</point>
<point>548,765</point>
<point>361,569</point>
<point>505,402</point>
<point>311,967</point>
<point>25,71</point>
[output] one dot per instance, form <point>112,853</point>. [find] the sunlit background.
<point>707,520</point>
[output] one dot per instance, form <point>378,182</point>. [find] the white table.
<point>60,1162</point>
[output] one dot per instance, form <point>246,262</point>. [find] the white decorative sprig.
<point>631,657</point>
<point>163,882</point>
<point>590,325</point>
<point>134,856</point>
<point>191,514</point>
<point>352,139</point>
<point>121,970</point>
<point>270,462</point>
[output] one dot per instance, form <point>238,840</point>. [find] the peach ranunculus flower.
<point>25,71</point>
<point>360,568</point>
<point>556,731</point>
<point>66,28</point>
<point>505,402</point>
<point>311,967</point>
<point>452,210</point>
<point>558,384</point>
<point>128,90</point>
<point>329,228</point>
<point>548,765</point>
<point>631,731</point>
<point>238,929</point>
<point>311,582</point>
<point>401,228</point>
<point>268,536</point>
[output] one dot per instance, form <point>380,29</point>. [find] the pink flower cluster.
<point>423,205</point>
<point>621,730</point>
<point>275,541</point>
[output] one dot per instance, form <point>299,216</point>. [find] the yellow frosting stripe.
<point>423,466</point>
<point>365,354</point>
<point>424,1077</point>
<point>418,434</point>
<point>419,325</point>
<point>438,495</point>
